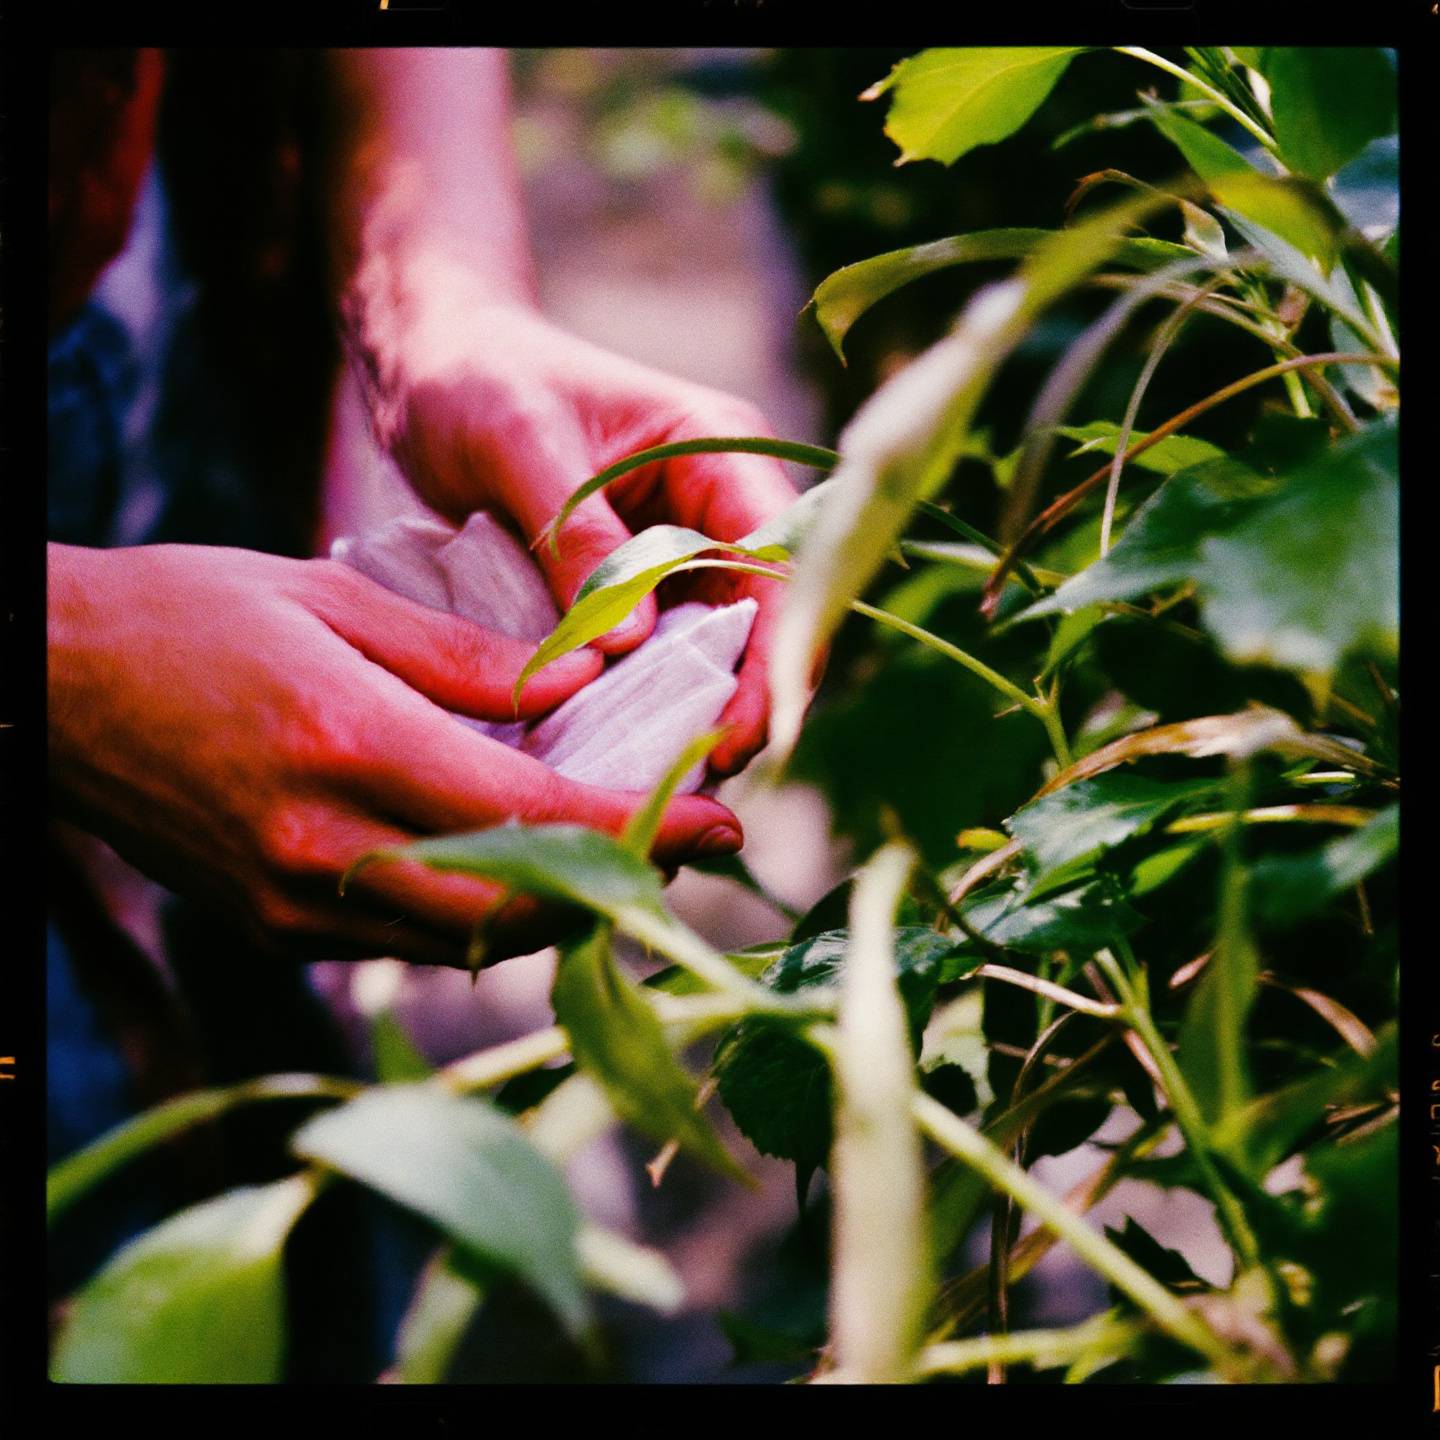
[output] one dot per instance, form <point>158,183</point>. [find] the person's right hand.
<point>244,727</point>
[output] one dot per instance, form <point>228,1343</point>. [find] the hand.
<point>488,405</point>
<point>245,727</point>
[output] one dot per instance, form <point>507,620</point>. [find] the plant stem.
<point>1138,52</point>
<point>1185,1109</point>
<point>982,1155</point>
<point>1045,1349</point>
<point>503,1062</point>
<point>1047,988</point>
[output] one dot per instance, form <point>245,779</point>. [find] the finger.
<point>431,773</point>
<point>746,717</point>
<point>459,665</point>
<point>540,472</point>
<point>418,913</point>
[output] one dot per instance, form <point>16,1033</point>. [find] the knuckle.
<point>293,841</point>
<point>324,739</point>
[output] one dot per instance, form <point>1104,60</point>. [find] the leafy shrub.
<point>1126,776</point>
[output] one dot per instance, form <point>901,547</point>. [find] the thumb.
<point>459,665</point>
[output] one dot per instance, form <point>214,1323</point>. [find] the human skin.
<point>482,402</point>
<point>245,726</point>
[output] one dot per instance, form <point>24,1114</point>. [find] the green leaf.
<point>775,1084</point>
<point>846,294</point>
<point>1161,544</point>
<point>1174,452</point>
<point>948,101</point>
<point>1328,103</point>
<point>1333,533</point>
<point>464,1165</point>
<point>616,586</point>
<point>396,1058</point>
<point>446,1300</point>
<point>1093,815</point>
<point>615,1036</point>
<point>1287,888</point>
<point>632,570</point>
<point>79,1173</point>
<point>569,863</point>
<point>1083,918</point>
<point>1264,1132</point>
<point>198,1300</point>
<point>1298,213</point>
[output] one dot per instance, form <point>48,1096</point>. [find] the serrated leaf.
<point>1328,103</point>
<point>1333,533</point>
<point>199,1300</point>
<point>464,1165</point>
<point>1093,815</point>
<point>616,1037</point>
<point>1174,452</point>
<point>948,101</point>
<point>1083,918</point>
<point>776,1085</point>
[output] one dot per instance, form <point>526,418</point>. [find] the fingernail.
<point>722,840</point>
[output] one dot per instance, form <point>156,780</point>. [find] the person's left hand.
<point>489,405</point>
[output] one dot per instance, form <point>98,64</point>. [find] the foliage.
<point>1123,778</point>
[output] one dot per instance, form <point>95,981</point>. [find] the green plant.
<point>1159,882</point>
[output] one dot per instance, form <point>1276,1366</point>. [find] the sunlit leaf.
<point>948,101</point>
<point>1299,214</point>
<point>198,1300</point>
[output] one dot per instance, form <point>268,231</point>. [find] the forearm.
<point>425,212</point>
